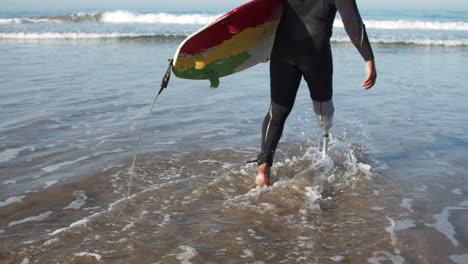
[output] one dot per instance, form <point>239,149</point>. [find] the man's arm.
<point>357,33</point>
<point>355,27</point>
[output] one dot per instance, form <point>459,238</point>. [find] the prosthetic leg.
<point>324,112</point>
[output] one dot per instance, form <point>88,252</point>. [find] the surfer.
<point>302,49</point>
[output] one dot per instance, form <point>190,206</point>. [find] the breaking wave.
<point>410,41</point>
<point>124,16</point>
<point>157,18</point>
<point>413,24</point>
<point>134,35</point>
<point>119,16</point>
<point>82,36</point>
<point>123,24</point>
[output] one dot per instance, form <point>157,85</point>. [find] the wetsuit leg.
<point>319,77</point>
<point>285,80</point>
<point>318,73</point>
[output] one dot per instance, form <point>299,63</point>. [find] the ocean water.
<point>76,88</point>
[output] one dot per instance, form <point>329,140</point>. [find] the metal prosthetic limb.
<point>324,112</point>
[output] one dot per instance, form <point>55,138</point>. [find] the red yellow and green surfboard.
<point>235,41</point>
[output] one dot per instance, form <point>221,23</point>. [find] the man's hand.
<point>371,75</point>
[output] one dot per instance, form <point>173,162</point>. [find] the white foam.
<point>122,16</point>
<point>9,182</point>
<point>385,257</point>
<point>337,258</point>
<point>421,41</point>
<point>465,203</point>
<point>88,254</point>
<point>405,224</point>
<point>444,226</point>
<point>407,203</point>
<point>27,20</point>
<point>55,167</point>
<point>113,166</point>
<point>247,253</point>
<point>412,24</point>
<point>166,220</point>
<point>254,235</point>
<point>125,16</point>
<point>427,25</point>
<point>81,222</point>
<point>305,242</point>
<point>187,254</point>
<point>132,224</point>
<point>457,191</point>
<point>77,35</point>
<point>79,202</point>
<point>364,167</point>
<point>50,183</point>
<point>395,39</point>
<point>394,226</point>
<point>11,200</point>
<point>85,220</point>
<point>169,142</point>
<point>40,217</point>
<point>208,161</point>
<point>26,260</point>
<point>127,227</point>
<point>50,242</point>
<point>422,188</point>
<point>460,259</point>
<point>10,154</point>
<point>118,150</point>
<point>222,250</point>
<point>409,41</point>
<point>91,208</point>
<point>391,230</point>
<point>313,193</point>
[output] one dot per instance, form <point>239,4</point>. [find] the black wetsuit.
<point>302,49</point>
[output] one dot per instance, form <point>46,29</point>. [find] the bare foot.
<point>263,176</point>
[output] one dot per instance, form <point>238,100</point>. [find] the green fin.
<point>214,79</point>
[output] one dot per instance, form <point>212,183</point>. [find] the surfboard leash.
<point>166,78</point>
<point>229,170</point>
<point>164,83</point>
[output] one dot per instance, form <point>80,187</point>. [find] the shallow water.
<point>314,210</point>
<point>392,191</point>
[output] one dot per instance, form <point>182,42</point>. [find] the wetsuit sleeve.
<point>355,27</point>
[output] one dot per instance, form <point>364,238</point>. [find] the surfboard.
<point>234,42</point>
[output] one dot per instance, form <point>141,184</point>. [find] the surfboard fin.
<point>214,79</point>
